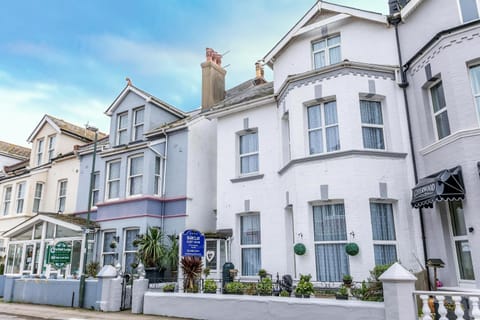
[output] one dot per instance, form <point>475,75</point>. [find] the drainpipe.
<point>162,221</point>
<point>395,20</point>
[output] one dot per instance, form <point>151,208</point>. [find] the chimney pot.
<point>213,79</point>
<point>259,72</point>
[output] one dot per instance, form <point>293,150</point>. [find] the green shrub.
<point>250,288</point>
<point>304,286</point>
<point>234,287</point>
<point>284,293</point>
<point>93,268</point>
<point>169,287</point>
<point>210,286</point>
<point>264,287</point>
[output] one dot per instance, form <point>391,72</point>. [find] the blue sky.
<point>70,58</point>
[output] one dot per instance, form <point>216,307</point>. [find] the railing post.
<point>475,309</point>
<point>398,287</point>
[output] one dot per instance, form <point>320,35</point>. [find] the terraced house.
<point>38,194</point>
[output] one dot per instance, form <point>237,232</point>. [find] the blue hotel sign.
<point>193,243</point>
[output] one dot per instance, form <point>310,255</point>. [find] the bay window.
<point>323,132</point>
<point>372,124</point>
<point>113,180</point>
<point>135,175</point>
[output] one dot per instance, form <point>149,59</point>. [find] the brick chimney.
<point>213,79</point>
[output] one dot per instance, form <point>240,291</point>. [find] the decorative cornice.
<point>343,68</point>
<point>343,154</point>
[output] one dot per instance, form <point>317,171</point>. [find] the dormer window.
<point>122,124</point>
<point>39,151</point>
<point>326,52</point>
<point>51,147</point>
<point>137,130</point>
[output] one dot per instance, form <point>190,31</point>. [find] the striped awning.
<point>441,186</point>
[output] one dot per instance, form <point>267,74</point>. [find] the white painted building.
<point>321,156</point>
<point>442,64</point>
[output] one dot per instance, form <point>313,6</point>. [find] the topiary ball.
<point>299,249</point>
<point>352,249</point>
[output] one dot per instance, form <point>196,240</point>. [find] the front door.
<point>460,241</point>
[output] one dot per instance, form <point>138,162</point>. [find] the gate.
<point>126,302</point>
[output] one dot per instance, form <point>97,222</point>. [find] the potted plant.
<point>92,269</point>
<point>347,280</point>
<point>342,293</point>
<point>304,287</point>
<point>234,287</point>
<point>113,245</point>
<point>192,271</point>
<point>151,252</point>
<point>262,273</point>
<point>210,286</point>
<point>265,287</point>
<point>169,287</point>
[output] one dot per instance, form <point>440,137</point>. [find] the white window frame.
<point>51,147</point>
<point>62,195</point>
<point>158,176</point>
<point>109,181</point>
<point>327,242</point>
<point>130,176</point>
<point>40,148</point>
<point>476,95</point>
<point>374,125</point>
<point>7,202</point>
<point>323,128</point>
<point>125,251</point>
<point>459,6</point>
<point>20,199</point>
<point>326,50</point>
<point>440,111</point>
<point>250,246</point>
<point>136,126</point>
<point>108,253</point>
<point>390,242</point>
<point>248,154</point>
<point>122,130</point>
<point>95,188</point>
<point>36,198</point>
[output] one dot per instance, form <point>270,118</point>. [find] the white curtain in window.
<point>250,228</point>
<point>107,240</point>
<point>443,126</point>
<point>249,163</point>
<point>371,114</point>
<point>331,123</point>
<point>385,253</point>
<point>251,261</point>
<point>248,143</point>
<point>315,140</point>
<point>383,226</point>
<point>335,55</point>
<point>329,223</point>
<point>331,262</point>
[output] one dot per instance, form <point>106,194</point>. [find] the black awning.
<point>443,185</point>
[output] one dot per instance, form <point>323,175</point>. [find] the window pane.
<point>113,189</point>
<point>384,254</point>
<point>130,235</point>
<point>319,59</point>
<point>122,137</point>
<point>122,121</point>
<point>469,10</point>
<point>107,240</point>
<point>329,222</point>
<point>373,138</point>
<point>109,259</point>
<point>63,232</point>
<point>314,117</point>
<point>443,127</point>
<point>212,248</point>
<point>335,55</point>
<point>136,166</point>
<point>248,143</point>
<point>37,233</point>
<point>438,97</point>
<point>50,230</point>
<point>333,139</point>
<point>333,41</point>
<point>315,140</point>
<point>371,112</point>
<point>331,261</point>
<point>457,218</point>
<point>464,257</point>
<point>139,116</point>
<point>130,258</point>
<point>475,75</point>
<point>251,261</point>
<point>331,113</point>
<point>114,172</point>
<point>250,228</point>
<point>249,164</point>
<point>138,132</point>
<point>383,226</point>
<point>319,45</point>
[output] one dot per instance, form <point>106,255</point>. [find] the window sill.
<point>449,139</point>
<point>247,178</point>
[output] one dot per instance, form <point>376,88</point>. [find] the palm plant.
<point>151,249</point>
<point>171,255</point>
<point>192,270</point>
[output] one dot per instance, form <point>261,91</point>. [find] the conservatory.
<point>32,243</point>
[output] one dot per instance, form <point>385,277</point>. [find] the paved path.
<point>19,311</point>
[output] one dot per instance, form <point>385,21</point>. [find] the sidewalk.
<point>61,313</point>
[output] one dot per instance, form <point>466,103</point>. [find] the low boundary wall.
<point>233,307</point>
<point>52,292</point>
<point>2,285</point>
